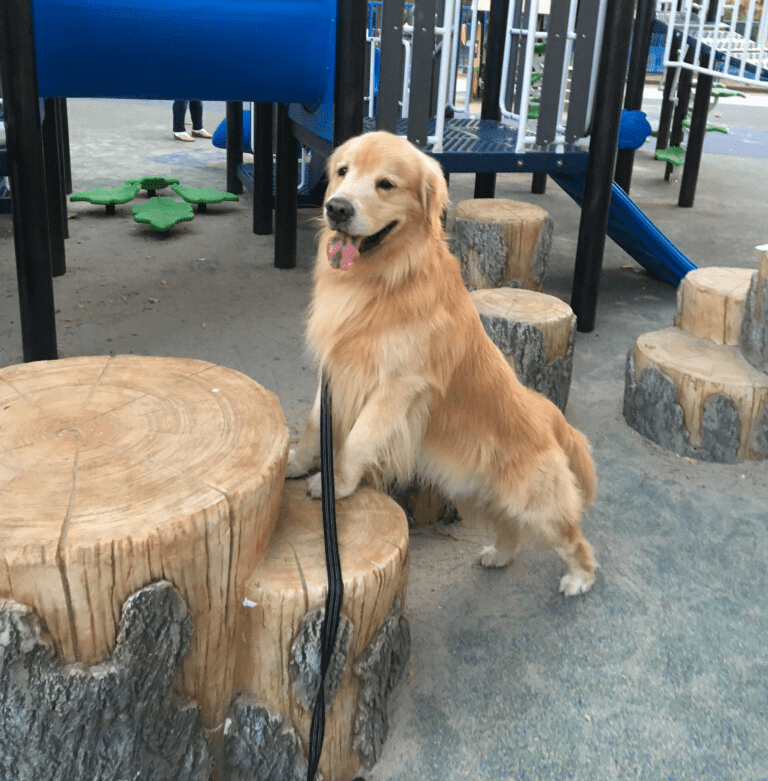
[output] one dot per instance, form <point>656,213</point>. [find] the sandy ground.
<point>660,671</point>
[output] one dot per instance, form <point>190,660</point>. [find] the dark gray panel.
<point>554,59</point>
<point>421,73</point>
<point>390,65</point>
<point>578,123</point>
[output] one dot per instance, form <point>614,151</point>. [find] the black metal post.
<point>64,141</point>
<point>286,192</point>
<point>602,152</point>
<point>665,115</point>
<point>696,135</point>
<point>349,88</point>
<point>27,175</point>
<point>681,109</point>
<point>234,145</point>
<point>262,169</point>
<point>485,183</point>
<point>539,182</point>
<point>633,97</point>
<point>54,187</point>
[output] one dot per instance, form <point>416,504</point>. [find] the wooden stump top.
<point>710,302</point>
<point>119,471</point>
<point>553,317</point>
<point>498,210</point>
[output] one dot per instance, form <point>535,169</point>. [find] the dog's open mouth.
<point>370,242</point>
<point>364,244</point>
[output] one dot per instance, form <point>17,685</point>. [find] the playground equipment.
<point>59,49</point>
<point>715,41</point>
<point>577,98</point>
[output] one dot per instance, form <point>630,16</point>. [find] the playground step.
<point>754,327</point>
<point>697,398</point>
<point>710,303</point>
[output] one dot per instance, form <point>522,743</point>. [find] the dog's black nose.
<point>339,210</point>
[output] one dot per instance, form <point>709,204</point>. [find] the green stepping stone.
<point>672,154</point>
<point>725,93</point>
<point>153,183</point>
<point>712,127</point>
<point>202,196</point>
<point>162,212</point>
<point>108,196</point>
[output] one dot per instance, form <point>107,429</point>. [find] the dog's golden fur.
<point>418,388</point>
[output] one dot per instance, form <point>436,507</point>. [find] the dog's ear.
<point>434,194</point>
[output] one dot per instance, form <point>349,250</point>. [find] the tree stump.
<point>689,388</point>
<point>116,472</point>
<point>710,303</point>
<point>754,328</point>
<point>502,243</point>
<point>279,627</point>
<point>536,334</point>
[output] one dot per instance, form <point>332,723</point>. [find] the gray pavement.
<point>660,672</point>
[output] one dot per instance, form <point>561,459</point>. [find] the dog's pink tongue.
<point>341,252</point>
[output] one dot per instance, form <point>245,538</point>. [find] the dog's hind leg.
<point>507,544</point>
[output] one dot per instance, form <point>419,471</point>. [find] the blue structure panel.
<point>260,50</point>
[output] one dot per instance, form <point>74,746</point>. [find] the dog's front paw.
<point>575,583</point>
<point>315,486</point>
<point>491,558</point>
<point>296,467</point>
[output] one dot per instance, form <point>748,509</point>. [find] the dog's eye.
<point>384,184</point>
<point>342,171</point>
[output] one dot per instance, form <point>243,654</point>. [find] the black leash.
<point>335,582</point>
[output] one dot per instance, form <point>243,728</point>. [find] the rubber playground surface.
<point>659,672</point>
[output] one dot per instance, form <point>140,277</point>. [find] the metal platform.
<point>487,146</point>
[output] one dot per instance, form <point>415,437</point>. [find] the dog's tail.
<point>579,453</point>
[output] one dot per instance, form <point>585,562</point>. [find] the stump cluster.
<point>143,527</point>
<point>700,388</point>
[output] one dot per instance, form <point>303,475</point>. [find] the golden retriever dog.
<point>417,386</point>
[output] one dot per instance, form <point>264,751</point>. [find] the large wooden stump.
<point>754,328</point>
<point>502,243</point>
<point>536,334</point>
<point>689,388</point>
<point>116,472</point>
<point>279,628</point>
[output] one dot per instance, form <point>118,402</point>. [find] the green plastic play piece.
<point>162,212</point>
<point>721,92</point>
<point>107,196</point>
<point>153,183</point>
<point>712,127</point>
<point>202,196</point>
<point>672,154</point>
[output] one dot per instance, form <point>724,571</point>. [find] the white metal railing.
<point>448,37</point>
<point>531,37</point>
<point>728,54</point>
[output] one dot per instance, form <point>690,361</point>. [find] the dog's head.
<point>381,187</point>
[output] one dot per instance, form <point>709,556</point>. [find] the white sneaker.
<point>183,136</point>
<point>202,133</point>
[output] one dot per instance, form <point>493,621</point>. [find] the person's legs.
<point>196,111</point>
<point>179,112</point>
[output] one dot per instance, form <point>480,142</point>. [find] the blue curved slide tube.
<point>264,50</point>
<point>631,229</point>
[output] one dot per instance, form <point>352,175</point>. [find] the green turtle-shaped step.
<point>108,196</point>
<point>672,154</point>
<point>153,183</point>
<point>202,196</point>
<point>162,212</point>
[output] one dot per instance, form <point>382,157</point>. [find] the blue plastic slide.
<point>631,229</point>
